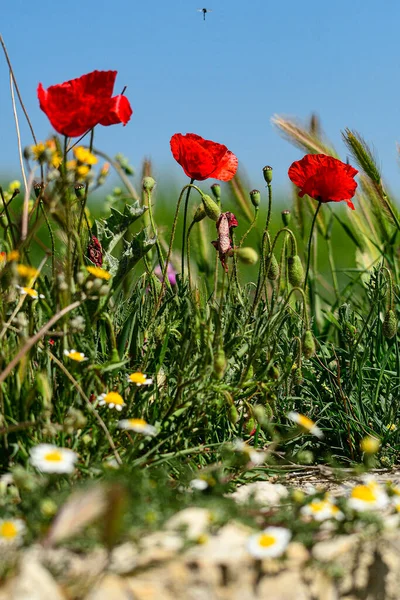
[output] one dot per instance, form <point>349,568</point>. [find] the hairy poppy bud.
<point>200,213</point>
<point>255,197</point>
<point>273,271</point>
<point>247,255</point>
<point>212,209</point>
<point>298,377</point>
<point>308,344</point>
<point>79,190</point>
<point>274,372</point>
<point>219,363</point>
<point>286,217</point>
<point>233,414</point>
<point>389,327</point>
<point>148,183</point>
<point>267,172</point>
<point>295,271</point>
<point>216,191</point>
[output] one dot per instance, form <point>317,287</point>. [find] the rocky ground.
<point>218,566</point>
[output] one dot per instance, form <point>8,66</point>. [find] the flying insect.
<point>204,11</point>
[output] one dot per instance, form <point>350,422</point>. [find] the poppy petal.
<point>120,111</point>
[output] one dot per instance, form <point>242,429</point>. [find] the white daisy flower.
<point>11,531</point>
<point>74,355</point>
<point>368,496</point>
<point>112,400</point>
<point>270,543</point>
<point>306,423</point>
<point>138,425</point>
<point>320,510</point>
<point>255,456</point>
<point>52,459</point>
<point>199,484</point>
<point>28,291</point>
<point>139,379</point>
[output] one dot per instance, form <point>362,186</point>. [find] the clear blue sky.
<point>223,78</point>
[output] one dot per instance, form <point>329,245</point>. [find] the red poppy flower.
<point>75,106</point>
<point>202,159</point>
<point>324,178</point>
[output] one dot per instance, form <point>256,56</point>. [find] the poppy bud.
<point>267,172</point>
<point>247,255</point>
<point>148,184</point>
<point>220,363</point>
<point>211,208</point>
<point>233,415</point>
<point>274,372</point>
<point>286,217</point>
<point>308,344</point>
<point>200,213</point>
<point>273,271</point>
<point>255,197</point>
<point>389,327</point>
<point>37,188</point>
<point>298,377</point>
<point>79,190</point>
<point>295,271</point>
<point>216,191</point>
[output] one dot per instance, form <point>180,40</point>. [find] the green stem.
<point>250,228</point>
<point>184,228</point>
<point>309,243</point>
<point>333,270</point>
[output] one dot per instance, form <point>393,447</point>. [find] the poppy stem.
<point>309,243</point>
<point>184,228</point>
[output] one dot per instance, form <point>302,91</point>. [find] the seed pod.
<point>255,198</point>
<point>247,255</point>
<point>295,271</point>
<point>212,209</point>
<point>79,190</point>
<point>273,271</point>
<point>233,414</point>
<point>308,344</point>
<point>286,217</point>
<point>267,172</point>
<point>389,327</point>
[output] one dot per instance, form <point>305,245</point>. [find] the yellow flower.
<point>370,444</point>
<point>11,531</point>
<point>74,355</point>
<point>27,271</point>
<point>13,255</point>
<point>391,427</point>
<point>82,170</point>
<point>139,379</point>
<point>306,423</point>
<point>112,400</point>
<point>83,155</point>
<point>56,160</point>
<point>38,150</point>
<point>71,165</point>
<point>14,185</point>
<point>99,273</point>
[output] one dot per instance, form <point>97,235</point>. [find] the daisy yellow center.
<point>137,378</point>
<point>113,398</point>
<point>98,272</point>
<point>364,493</point>
<point>30,292</point>
<point>266,541</point>
<point>8,530</point>
<point>53,456</point>
<point>318,506</point>
<point>78,356</point>
<point>306,422</point>
<point>137,422</point>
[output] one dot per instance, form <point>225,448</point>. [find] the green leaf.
<point>138,247</point>
<point>110,231</point>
